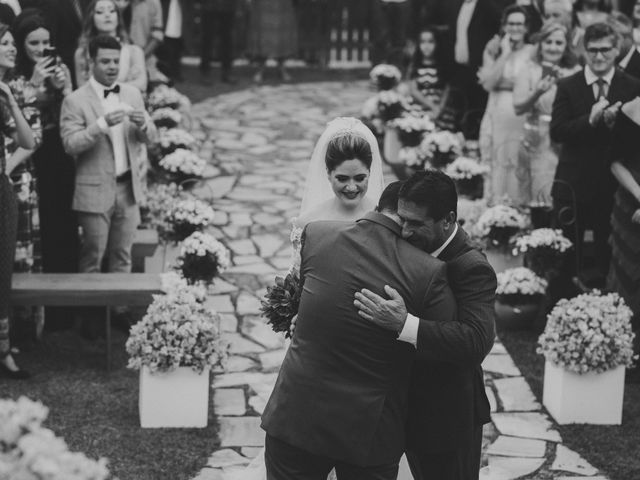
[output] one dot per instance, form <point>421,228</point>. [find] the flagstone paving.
<point>259,142</point>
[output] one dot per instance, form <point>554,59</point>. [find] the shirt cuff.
<point>409,332</point>
<point>102,123</point>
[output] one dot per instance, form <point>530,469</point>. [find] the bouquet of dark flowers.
<point>281,303</point>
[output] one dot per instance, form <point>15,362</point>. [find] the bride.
<point>344,180</point>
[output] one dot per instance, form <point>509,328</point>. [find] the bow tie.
<point>115,89</point>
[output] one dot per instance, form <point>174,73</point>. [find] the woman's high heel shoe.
<point>6,372</point>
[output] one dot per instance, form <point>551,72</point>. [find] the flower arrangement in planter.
<point>541,213</point>
<point>587,343</point>
<point>391,105</point>
<point>412,157</point>
<point>166,117</point>
<point>30,451</point>
<point>159,199</point>
<point>498,224</point>
<point>202,258</point>
<point>544,250</point>
<point>442,147</point>
<point>187,216</point>
<point>518,298</point>
<point>281,302</point>
<point>385,76</point>
<point>411,129</point>
<point>164,96</point>
<point>468,174</point>
<point>182,164</point>
<point>171,139</point>
<point>174,346</point>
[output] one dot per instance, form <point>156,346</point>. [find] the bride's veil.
<point>318,188</point>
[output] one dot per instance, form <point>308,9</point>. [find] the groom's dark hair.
<point>389,198</point>
<point>432,189</point>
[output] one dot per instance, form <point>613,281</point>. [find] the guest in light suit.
<point>105,126</point>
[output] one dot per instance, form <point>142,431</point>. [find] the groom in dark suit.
<point>448,403</point>
<point>342,393</point>
<point>585,122</point>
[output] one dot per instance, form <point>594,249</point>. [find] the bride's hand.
<point>293,324</point>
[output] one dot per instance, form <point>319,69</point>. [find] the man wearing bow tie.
<point>105,127</point>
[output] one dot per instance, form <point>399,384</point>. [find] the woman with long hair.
<point>40,82</point>
<point>500,130</point>
<point>103,17</point>
<point>533,96</point>
<point>14,125</point>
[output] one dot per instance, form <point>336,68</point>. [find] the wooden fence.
<point>331,33</point>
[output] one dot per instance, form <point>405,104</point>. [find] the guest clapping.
<point>103,17</point>
<point>500,131</point>
<point>533,95</point>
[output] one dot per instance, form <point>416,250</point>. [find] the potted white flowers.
<point>442,147</point>
<point>182,164</point>
<point>30,451</point>
<point>164,96</point>
<point>587,344</point>
<point>187,216</point>
<point>174,346</point>
<point>411,129</point>
<point>544,250</point>
<point>468,173</point>
<point>202,258</point>
<point>518,298</point>
<point>166,117</point>
<point>496,226</point>
<point>385,76</point>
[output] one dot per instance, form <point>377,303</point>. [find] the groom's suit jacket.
<point>448,399</point>
<point>343,386</point>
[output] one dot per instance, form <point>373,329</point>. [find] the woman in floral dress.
<point>12,123</point>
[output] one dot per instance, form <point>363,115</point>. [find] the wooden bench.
<point>144,245</point>
<point>84,290</point>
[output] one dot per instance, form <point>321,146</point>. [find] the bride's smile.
<point>349,180</point>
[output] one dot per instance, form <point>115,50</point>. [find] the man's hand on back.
<point>388,313</point>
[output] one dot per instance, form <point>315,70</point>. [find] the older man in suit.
<point>104,126</point>
<point>341,396</point>
<point>448,403</point>
<point>585,123</point>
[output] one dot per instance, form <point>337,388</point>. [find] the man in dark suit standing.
<point>584,121</point>
<point>448,403</point>
<point>340,399</point>
<point>469,25</point>
<point>629,57</point>
<point>218,17</point>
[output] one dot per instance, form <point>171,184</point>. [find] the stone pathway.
<point>259,142</point>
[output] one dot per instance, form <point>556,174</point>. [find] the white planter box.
<point>175,399</point>
<point>594,398</point>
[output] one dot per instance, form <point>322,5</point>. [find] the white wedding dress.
<point>317,191</point>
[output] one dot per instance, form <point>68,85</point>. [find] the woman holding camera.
<point>533,96</point>
<point>40,84</point>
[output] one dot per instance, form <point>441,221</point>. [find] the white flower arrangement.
<point>170,139</point>
<point>31,452</point>
<point>544,249</point>
<point>499,223</point>
<point>465,168</point>
<point>184,162</point>
<point>412,157</point>
<point>589,333</point>
<point>188,215</point>
<point>442,147</point>
<point>177,331</point>
<point>172,282</point>
<point>164,96</point>
<point>202,258</point>
<point>385,76</point>
<point>166,117</point>
<point>520,282</point>
<point>159,199</point>
<point>390,105</point>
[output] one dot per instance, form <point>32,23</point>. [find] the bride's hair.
<point>347,146</point>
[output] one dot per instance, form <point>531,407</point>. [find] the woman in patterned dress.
<point>13,124</point>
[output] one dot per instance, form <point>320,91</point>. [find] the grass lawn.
<point>97,413</point>
<point>613,449</point>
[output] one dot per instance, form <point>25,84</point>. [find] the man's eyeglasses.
<point>595,51</point>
